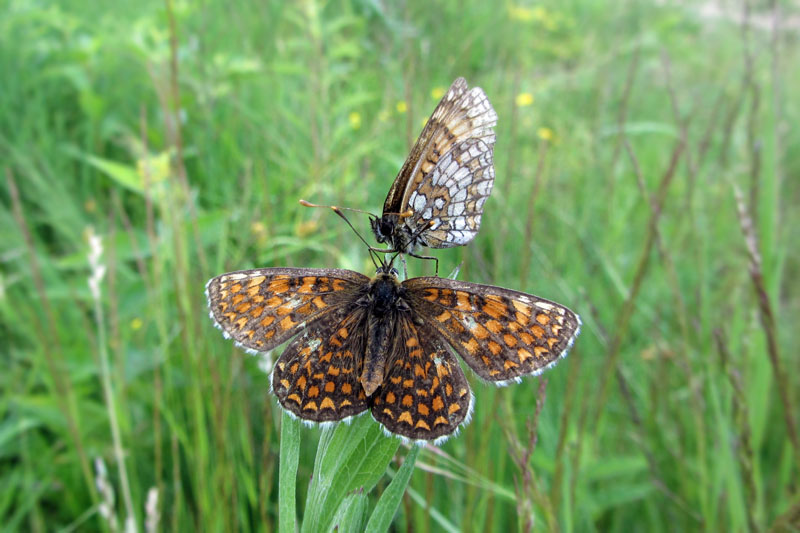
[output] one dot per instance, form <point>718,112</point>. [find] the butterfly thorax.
<point>384,301</point>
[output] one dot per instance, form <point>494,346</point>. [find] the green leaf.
<point>124,175</point>
<point>387,506</point>
<point>287,477</point>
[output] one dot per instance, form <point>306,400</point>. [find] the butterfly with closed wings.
<point>382,345</point>
<point>437,198</point>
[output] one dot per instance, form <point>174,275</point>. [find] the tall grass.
<point>182,136</point>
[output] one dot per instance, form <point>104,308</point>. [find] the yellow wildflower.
<point>545,134</point>
<point>402,106</point>
<point>530,14</point>
<point>524,99</point>
<point>437,93</point>
<point>155,168</point>
<point>355,120</point>
<point>520,13</point>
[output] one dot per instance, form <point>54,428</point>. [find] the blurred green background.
<point>179,136</point>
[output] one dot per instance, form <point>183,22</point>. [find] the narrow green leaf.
<point>287,477</point>
<point>436,515</point>
<point>387,506</point>
<point>124,175</point>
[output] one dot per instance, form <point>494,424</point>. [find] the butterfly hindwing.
<point>501,334</point>
<point>425,394</point>
<point>317,376</point>
<point>450,198</point>
<point>262,308</point>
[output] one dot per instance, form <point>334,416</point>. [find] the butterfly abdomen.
<point>385,303</point>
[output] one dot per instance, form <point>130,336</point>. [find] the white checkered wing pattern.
<point>449,200</point>
<point>462,114</point>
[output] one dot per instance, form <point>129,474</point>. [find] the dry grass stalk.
<point>767,316</point>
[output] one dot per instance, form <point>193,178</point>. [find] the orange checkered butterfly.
<point>378,344</point>
<point>437,198</point>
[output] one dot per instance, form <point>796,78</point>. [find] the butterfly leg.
<point>405,266</point>
<point>428,257</point>
<point>382,251</point>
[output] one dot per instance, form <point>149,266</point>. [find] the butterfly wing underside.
<point>425,394</point>
<point>262,308</point>
<point>450,198</point>
<point>501,334</point>
<point>461,114</point>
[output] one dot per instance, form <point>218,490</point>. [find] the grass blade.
<point>287,477</point>
<point>387,506</point>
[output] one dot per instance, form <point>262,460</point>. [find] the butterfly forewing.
<point>450,199</point>
<point>262,308</point>
<point>501,334</point>
<point>424,394</point>
<point>317,376</point>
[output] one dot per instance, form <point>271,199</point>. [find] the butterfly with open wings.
<point>378,344</point>
<point>437,198</point>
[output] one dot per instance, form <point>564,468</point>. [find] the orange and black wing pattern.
<point>425,395</point>
<point>501,334</point>
<point>262,308</point>
<point>317,376</point>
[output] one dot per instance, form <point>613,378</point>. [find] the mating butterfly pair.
<point>382,345</point>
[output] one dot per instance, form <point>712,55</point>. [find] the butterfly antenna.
<point>334,207</point>
<point>339,212</point>
<point>376,259</point>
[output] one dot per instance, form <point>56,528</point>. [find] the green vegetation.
<point>178,137</point>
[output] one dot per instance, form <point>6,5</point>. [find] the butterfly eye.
<point>385,227</point>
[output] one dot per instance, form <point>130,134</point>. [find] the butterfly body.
<point>384,303</point>
<point>358,343</point>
